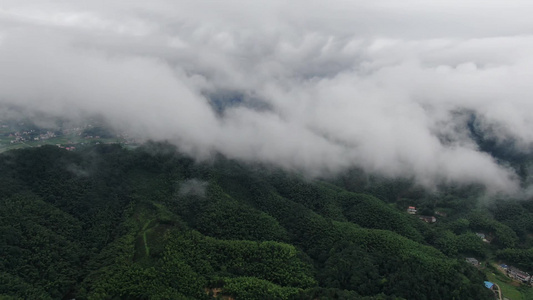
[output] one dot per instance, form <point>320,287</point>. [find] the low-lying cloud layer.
<point>316,86</point>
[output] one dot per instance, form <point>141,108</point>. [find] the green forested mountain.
<point>104,222</point>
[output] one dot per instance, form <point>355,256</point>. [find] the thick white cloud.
<point>323,86</point>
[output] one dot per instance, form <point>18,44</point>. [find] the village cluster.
<point>23,136</point>
<point>512,272</point>
<point>428,219</point>
<point>13,135</point>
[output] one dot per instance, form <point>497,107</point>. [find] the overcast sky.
<point>317,86</point>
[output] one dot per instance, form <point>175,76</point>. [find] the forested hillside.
<point>105,222</point>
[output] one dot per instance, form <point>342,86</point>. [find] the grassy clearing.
<point>144,218</point>
<point>527,292</point>
<point>508,290</point>
<point>146,248</point>
<point>153,219</point>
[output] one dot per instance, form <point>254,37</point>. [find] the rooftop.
<point>489,284</point>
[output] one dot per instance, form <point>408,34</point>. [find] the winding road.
<point>499,291</point>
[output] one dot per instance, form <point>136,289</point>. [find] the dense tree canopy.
<point>104,222</point>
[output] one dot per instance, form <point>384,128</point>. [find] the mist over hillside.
<point>267,149</point>
<point>105,222</point>
<point>303,85</point>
